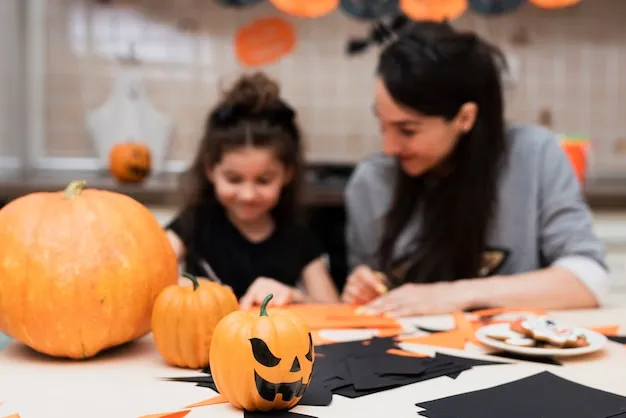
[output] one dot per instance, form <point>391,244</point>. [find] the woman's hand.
<point>261,287</point>
<point>421,299</point>
<point>363,285</point>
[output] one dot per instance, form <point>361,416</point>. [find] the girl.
<point>240,217</point>
<point>463,211</point>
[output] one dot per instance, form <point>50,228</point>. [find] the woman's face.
<point>419,142</point>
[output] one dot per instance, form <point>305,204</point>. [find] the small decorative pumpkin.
<point>264,41</point>
<point>184,318</point>
<point>554,4</point>
<point>130,162</point>
<point>262,363</point>
<point>80,270</point>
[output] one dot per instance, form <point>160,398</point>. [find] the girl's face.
<point>248,182</point>
<point>419,142</point>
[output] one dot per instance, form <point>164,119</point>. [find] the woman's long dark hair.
<point>434,70</point>
<point>251,113</point>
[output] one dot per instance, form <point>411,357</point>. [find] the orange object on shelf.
<point>577,151</point>
<point>264,41</point>
<point>554,4</point>
<point>437,10</point>
<point>306,8</point>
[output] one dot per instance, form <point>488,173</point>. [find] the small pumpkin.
<point>130,162</point>
<point>184,318</point>
<point>80,270</point>
<point>262,363</point>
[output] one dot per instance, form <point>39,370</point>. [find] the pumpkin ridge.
<point>23,333</point>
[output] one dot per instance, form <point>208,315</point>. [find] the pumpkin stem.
<point>193,279</point>
<point>264,304</point>
<point>74,188</point>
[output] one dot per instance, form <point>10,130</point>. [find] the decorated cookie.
<point>542,329</point>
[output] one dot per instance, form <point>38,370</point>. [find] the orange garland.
<point>554,4</point>
<point>437,10</point>
<point>306,8</point>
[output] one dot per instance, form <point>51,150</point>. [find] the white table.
<point>125,383</point>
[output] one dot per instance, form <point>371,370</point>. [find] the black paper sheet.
<point>358,368</point>
<point>617,338</point>
<point>544,395</point>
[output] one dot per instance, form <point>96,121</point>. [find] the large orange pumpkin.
<point>130,162</point>
<point>184,317</point>
<point>262,362</point>
<point>80,270</point>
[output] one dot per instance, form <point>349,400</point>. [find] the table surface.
<point>126,381</point>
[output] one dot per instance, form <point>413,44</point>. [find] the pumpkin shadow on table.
<point>23,353</point>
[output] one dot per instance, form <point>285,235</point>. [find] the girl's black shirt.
<point>208,234</point>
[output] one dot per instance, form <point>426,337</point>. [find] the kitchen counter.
<point>160,189</point>
<point>602,194</point>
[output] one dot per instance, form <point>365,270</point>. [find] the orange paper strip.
<point>398,352</point>
<point>606,329</point>
<point>177,414</point>
<point>13,416</point>
<point>447,339</point>
<point>437,10</point>
<point>333,316</point>
<point>211,401</point>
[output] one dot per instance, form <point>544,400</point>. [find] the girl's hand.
<point>421,299</point>
<point>363,285</point>
<point>260,288</point>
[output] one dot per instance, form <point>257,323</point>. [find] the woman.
<point>461,211</point>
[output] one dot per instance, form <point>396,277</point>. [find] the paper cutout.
<point>12,415</point>
<point>264,41</point>
<point>437,10</point>
<point>541,395</point>
<point>608,330</point>
<point>448,339</point>
<point>618,339</point>
<point>465,327</point>
<point>333,316</point>
<point>554,4</point>
<point>533,359</point>
<point>177,414</point>
<point>306,8</point>
<point>219,399</point>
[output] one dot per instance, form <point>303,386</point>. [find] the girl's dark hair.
<point>434,70</point>
<point>251,113</point>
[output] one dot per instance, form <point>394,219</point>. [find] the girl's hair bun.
<point>254,92</point>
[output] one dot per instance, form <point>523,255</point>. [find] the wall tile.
<point>573,66</point>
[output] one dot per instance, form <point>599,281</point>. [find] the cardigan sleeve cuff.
<point>590,273</point>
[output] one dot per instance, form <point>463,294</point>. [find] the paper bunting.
<point>264,41</point>
<point>306,8</point>
<point>494,7</point>
<point>369,9</point>
<point>554,4</point>
<point>436,10</point>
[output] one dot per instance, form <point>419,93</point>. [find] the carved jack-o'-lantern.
<point>130,162</point>
<point>262,363</point>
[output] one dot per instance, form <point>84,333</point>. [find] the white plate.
<point>596,340</point>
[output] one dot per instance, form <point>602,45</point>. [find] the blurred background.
<point>80,77</point>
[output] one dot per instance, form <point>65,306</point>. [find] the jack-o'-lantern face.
<point>262,362</point>
<point>287,373</point>
<point>130,162</point>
